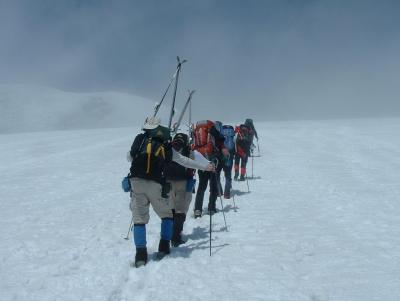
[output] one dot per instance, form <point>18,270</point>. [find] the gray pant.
<point>146,192</point>
<point>179,197</point>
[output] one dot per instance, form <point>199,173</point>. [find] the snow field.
<point>321,221</point>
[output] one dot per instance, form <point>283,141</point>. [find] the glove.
<point>165,189</point>
<point>210,167</point>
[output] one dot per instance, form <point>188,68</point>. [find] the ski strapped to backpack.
<point>174,78</point>
<point>175,89</point>
<point>178,123</point>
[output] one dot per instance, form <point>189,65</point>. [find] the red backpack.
<point>203,140</point>
<point>244,134</point>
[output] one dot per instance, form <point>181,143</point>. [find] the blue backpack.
<point>229,133</point>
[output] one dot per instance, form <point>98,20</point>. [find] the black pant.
<point>228,176</point>
<point>204,177</point>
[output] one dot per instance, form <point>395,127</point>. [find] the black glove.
<point>165,189</point>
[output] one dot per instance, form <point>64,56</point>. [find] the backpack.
<point>181,140</point>
<point>149,160</point>
<point>174,171</point>
<point>218,126</point>
<point>203,140</point>
<point>244,134</point>
<point>229,133</point>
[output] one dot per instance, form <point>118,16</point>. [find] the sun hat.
<point>151,123</point>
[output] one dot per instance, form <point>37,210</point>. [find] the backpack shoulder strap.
<point>137,145</point>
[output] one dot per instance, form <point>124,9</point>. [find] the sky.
<point>268,60</point>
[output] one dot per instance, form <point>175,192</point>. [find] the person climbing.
<point>220,165</point>
<point>210,143</point>
<point>182,186</point>
<point>244,141</point>
<point>149,154</point>
<point>229,134</point>
<point>249,123</point>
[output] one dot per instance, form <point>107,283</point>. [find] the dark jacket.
<point>219,140</point>
<point>176,172</point>
<point>153,170</point>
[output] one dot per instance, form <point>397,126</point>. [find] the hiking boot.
<point>227,195</point>
<point>163,249</point>
<point>235,178</point>
<point>140,257</point>
<point>212,211</point>
<point>179,220</point>
<point>197,213</point>
<point>177,242</point>
<point>242,178</point>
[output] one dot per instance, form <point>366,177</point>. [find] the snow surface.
<point>36,108</point>
<point>322,220</point>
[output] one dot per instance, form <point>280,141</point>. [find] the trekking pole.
<point>247,181</point>
<point>233,196</point>
<point>158,105</point>
<point>223,212</point>
<point>175,88</point>
<point>234,204</point>
<point>129,230</point>
<point>258,148</point>
<point>210,232</point>
<point>252,163</point>
<point>219,193</point>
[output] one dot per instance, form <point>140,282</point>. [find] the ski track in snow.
<point>321,221</point>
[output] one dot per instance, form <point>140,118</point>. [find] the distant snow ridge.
<point>35,108</point>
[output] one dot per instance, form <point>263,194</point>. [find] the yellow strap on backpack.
<point>157,153</point>
<point>148,152</point>
<point>160,150</point>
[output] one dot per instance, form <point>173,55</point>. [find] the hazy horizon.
<point>270,60</point>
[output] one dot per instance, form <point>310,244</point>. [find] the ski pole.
<point>210,231</point>
<point>247,181</point>
<point>219,193</point>
<point>234,204</point>
<point>233,196</point>
<point>252,163</point>
<point>223,212</point>
<point>129,230</point>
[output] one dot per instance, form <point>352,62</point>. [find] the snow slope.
<point>322,220</point>
<point>26,108</point>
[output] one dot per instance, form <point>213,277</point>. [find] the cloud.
<point>264,59</point>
